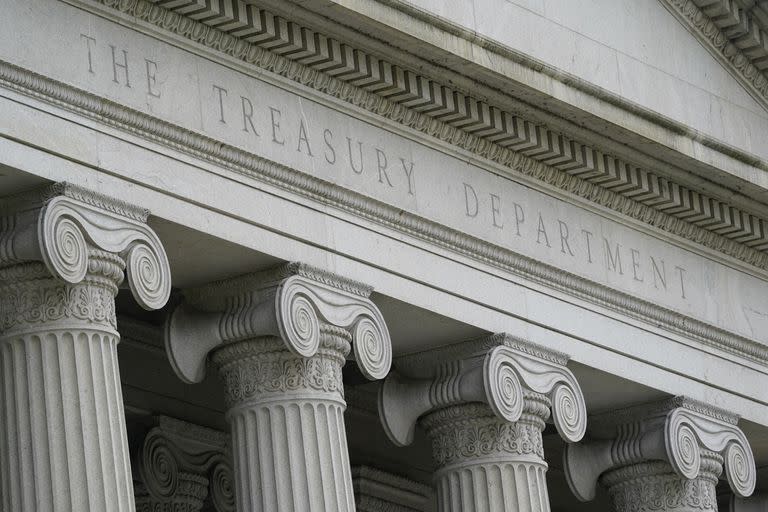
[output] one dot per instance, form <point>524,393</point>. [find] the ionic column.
<point>279,340</point>
<point>63,253</point>
<point>483,404</point>
<point>179,467</point>
<point>662,456</point>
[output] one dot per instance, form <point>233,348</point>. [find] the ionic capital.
<point>678,432</point>
<point>289,302</point>
<point>495,370</point>
<point>66,227</point>
<point>178,465</point>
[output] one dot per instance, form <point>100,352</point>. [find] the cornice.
<point>252,166</point>
<point>732,35</point>
<point>259,38</point>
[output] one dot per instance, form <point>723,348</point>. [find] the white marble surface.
<point>189,91</point>
<point>633,48</point>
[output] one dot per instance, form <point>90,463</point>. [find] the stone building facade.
<point>383,255</point>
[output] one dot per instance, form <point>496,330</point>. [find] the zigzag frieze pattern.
<point>251,165</point>
<point>475,117</point>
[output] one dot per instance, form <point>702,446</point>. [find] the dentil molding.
<point>681,433</point>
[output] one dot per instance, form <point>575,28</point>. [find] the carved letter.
<point>635,265</point>
<point>564,237</point>
<point>123,66</point>
<point>303,138</point>
<point>222,91</point>
<point>327,136</point>
<point>496,210</point>
<point>381,159</point>
<point>88,41</point>
<point>248,115</point>
<point>519,217</point>
<point>151,78</point>
<point>276,125</point>
<point>541,230</point>
<point>467,189</point>
<point>681,271</point>
<point>408,174</point>
<point>351,160</point>
<point>613,259</point>
<point>661,274</point>
<point>587,235</point>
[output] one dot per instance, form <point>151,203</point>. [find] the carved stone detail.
<point>63,250</point>
<point>293,418</point>
<point>62,225</point>
<point>279,340</point>
<point>251,370</point>
<point>654,486</point>
<point>179,465</point>
<point>483,403</point>
<point>288,302</point>
<point>458,118</point>
<point>493,370</point>
<point>741,50</point>
<point>680,436</point>
<point>462,433</point>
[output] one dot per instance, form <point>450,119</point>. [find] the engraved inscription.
<point>109,58</point>
<point>563,237</point>
<point>299,128</point>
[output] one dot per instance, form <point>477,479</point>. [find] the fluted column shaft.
<point>64,251</point>
<point>487,464</point>
<point>286,416</point>
<point>63,444</point>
